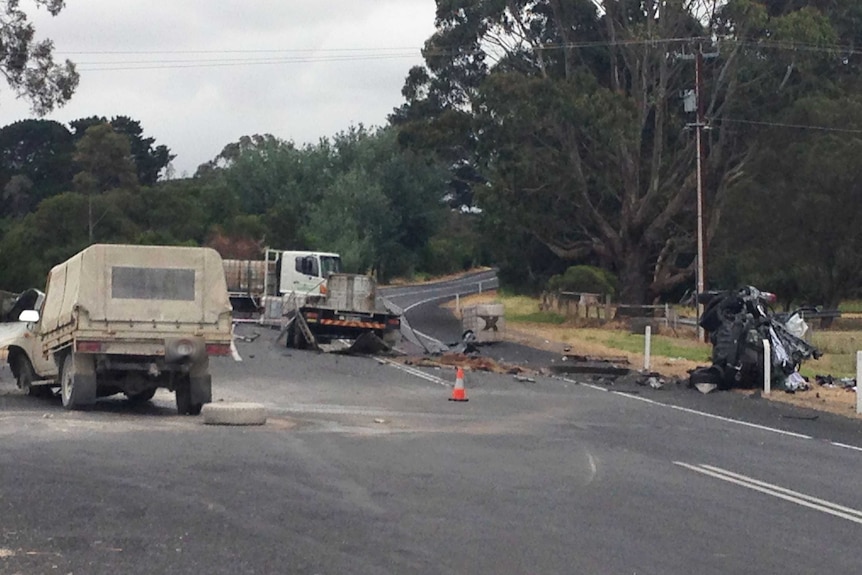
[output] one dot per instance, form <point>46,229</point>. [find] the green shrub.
<point>588,279</point>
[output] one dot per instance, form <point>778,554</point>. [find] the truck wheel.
<point>299,339</point>
<point>77,382</point>
<point>185,406</point>
<point>141,397</point>
<point>26,376</point>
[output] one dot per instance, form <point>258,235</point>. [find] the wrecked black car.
<point>737,322</point>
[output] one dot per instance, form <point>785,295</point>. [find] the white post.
<point>858,379</point>
<point>767,367</point>
<point>480,287</point>
<point>647,338</point>
<point>458,304</point>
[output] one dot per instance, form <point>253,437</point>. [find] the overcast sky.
<point>199,74</point>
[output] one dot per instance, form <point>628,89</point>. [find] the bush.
<point>588,279</point>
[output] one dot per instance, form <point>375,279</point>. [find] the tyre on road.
<point>77,381</point>
<point>142,397</point>
<point>234,414</point>
<point>185,403</point>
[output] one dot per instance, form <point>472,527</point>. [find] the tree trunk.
<point>634,277</point>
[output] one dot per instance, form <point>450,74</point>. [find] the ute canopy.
<point>123,283</point>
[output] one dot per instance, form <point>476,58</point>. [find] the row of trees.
<point>555,129</point>
<point>357,193</point>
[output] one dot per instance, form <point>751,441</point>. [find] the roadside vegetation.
<point>521,143</point>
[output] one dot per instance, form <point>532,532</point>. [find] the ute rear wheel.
<point>77,381</point>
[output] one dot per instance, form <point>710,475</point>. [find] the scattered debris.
<point>830,382</point>
<point>468,362</point>
<point>586,365</point>
<point>621,360</point>
<point>524,379</point>
<point>379,420</point>
<point>247,338</point>
<point>705,388</point>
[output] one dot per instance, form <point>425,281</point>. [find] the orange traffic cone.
<point>459,393</point>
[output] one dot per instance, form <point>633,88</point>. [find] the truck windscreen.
<point>152,283</point>
<point>330,265</point>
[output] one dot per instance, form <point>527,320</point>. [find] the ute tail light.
<point>218,349</point>
<point>311,316</point>
<point>88,346</point>
<point>393,322</point>
<point>323,289</point>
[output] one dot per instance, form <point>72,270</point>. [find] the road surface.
<point>365,467</point>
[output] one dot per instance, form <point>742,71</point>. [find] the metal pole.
<point>647,345</point>
<point>767,367</point>
<point>701,277</point>
<point>858,380</point>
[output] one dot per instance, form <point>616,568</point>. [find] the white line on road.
<point>808,501</point>
<point>718,417</point>
<point>416,372</point>
<point>845,446</point>
<point>693,411</point>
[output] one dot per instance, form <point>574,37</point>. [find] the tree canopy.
<point>572,113</point>
<point>28,65</point>
<point>539,136</point>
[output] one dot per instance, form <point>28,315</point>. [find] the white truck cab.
<point>305,273</point>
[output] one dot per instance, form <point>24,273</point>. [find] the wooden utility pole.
<point>699,126</point>
<point>701,240</point>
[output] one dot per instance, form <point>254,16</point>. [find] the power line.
<point>120,65</point>
<point>793,126</point>
<point>323,55</point>
<point>247,51</point>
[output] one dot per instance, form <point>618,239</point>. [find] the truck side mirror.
<point>29,316</point>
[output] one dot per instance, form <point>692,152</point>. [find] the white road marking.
<point>718,417</point>
<point>417,372</point>
<point>845,446</point>
<point>593,467</point>
<point>801,499</point>
<point>234,352</point>
<point>694,411</point>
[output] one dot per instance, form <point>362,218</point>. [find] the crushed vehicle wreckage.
<point>738,322</point>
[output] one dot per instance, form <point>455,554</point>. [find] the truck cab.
<point>305,272</point>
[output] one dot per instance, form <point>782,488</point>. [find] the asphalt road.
<point>365,467</point>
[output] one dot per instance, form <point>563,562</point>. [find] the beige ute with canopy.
<point>130,319</point>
